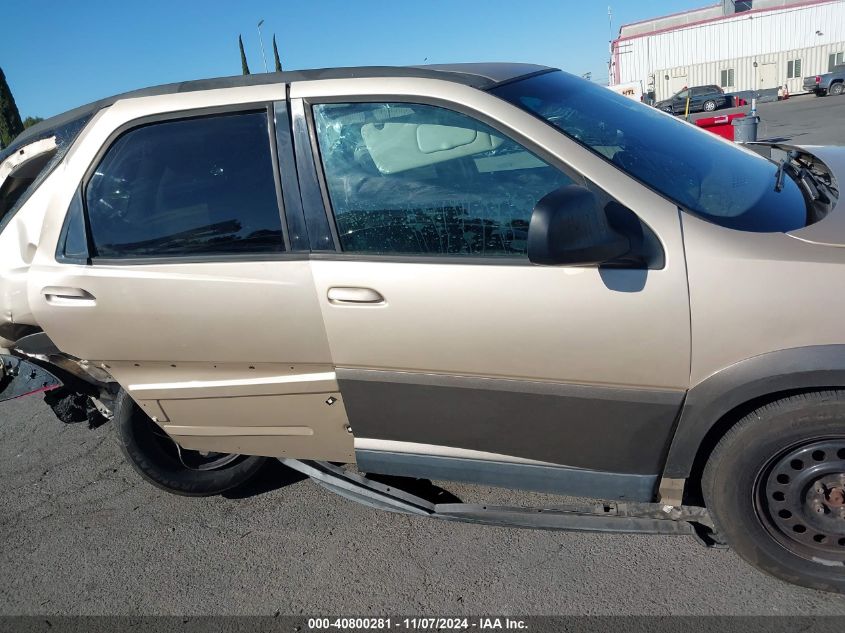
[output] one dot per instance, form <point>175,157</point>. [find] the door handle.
<point>342,295</point>
<point>64,296</point>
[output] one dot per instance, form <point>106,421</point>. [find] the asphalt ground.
<point>81,533</point>
<point>802,120</point>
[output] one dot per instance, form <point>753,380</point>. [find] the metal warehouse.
<point>751,45</point>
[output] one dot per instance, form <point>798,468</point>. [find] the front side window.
<point>188,187</point>
<point>418,179</point>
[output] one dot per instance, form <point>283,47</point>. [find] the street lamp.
<point>261,41</point>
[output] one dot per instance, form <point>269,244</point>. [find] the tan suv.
<point>492,273</point>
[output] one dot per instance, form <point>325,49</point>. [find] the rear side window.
<point>21,179</point>
<point>188,187</point>
<point>422,180</point>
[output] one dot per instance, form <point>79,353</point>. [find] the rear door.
<point>454,354</point>
<point>167,260</point>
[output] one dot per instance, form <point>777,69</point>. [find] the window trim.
<point>176,115</point>
<point>794,68</point>
<point>288,172</point>
<point>319,167</point>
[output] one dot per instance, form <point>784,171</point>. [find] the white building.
<point>740,45</point>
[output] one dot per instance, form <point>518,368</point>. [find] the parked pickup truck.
<point>493,273</point>
<point>830,83</point>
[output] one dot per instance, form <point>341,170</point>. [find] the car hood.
<point>830,230</point>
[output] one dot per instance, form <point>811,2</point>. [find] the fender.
<point>816,366</point>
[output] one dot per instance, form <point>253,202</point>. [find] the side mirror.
<point>569,227</point>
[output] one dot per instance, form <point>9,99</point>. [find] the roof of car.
<point>478,75</point>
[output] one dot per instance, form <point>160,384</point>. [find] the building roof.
<point>479,75</point>
<point>705,15</point>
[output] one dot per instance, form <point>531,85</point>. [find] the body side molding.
<point>816,366</point>
<point>595,427</point>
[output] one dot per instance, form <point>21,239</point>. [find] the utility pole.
<point>261,41</point>
<point>610,46</point>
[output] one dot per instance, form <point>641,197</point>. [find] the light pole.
<point>261,41</point>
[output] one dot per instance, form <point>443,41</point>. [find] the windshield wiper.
<point>791,154</point>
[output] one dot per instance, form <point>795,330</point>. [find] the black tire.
<point>709,106</point>
<point>158,459</point>
<point>762,486</point>
<point>837,89</point>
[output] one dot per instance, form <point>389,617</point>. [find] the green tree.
<point>31,120</point>
<point>244,65</point>
<point>276,55</point>
<point>10,118</point>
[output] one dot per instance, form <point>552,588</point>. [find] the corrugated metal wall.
<point>809,32</point>
<point>813,61</point>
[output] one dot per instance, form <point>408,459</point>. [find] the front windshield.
<point>703,174</point>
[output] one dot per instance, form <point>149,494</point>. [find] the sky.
<point>59,54</point>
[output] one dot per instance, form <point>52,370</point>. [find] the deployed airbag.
<point>397,147</point>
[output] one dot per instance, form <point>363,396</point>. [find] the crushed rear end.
<point>29,362</point>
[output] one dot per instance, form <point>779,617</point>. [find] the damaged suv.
<point>491,273</point>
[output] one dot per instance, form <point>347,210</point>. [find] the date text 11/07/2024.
<point>420,623</point>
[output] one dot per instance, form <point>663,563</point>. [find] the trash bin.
<point>745,129</point>
<point>721,125</point>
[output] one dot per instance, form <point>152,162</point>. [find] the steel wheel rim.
<point>800,499</point>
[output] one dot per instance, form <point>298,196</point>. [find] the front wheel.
<point>163,463</point>
<point>775,486</point>
<point>709,106</point>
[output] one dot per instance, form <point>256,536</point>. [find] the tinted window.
<point>730,186</point>
<point>200,186</point>
<point>418,179</point>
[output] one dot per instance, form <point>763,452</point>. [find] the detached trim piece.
<point>19,377</point>
<point>524,476</point>
<point>643,518</point>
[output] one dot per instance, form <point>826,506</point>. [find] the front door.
<point>768,76</point>
<point>185,289</point>
<point>449,344</point>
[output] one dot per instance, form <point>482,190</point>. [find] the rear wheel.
<point>709,106</point>
<point>775,485</point>
<point>837,89</point>
<point>163,463</point>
